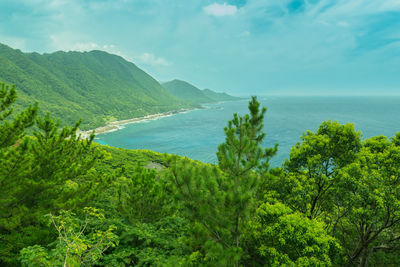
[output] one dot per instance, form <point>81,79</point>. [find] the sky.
<point>264,47</point>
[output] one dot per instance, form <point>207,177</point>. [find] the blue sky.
<point>263,47</point>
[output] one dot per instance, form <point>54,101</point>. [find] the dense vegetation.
<point>190,93</point>
<point>95,86</point>
<point>70,202</point>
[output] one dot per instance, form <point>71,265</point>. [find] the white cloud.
<point>66,42</point>
<point>112,49</point>
<point>220,10</point>
<point>150,59</point>
<point>84,46</point>
<point>354,8</point>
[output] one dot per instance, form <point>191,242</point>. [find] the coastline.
<point>118,125</point>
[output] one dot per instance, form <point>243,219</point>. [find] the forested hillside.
<point>69,202</point>
<point>219,96</point>
<point>95,86</point>
<point>190,93</point>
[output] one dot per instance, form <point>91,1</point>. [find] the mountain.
<point>187,92</point>
<point>190,93</point>
<point>95,86</point>
<point>219,96</point>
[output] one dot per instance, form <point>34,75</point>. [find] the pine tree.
<point>13,162</point>
<point>219,201</point>
<point>12,128</point>
<point>47,171</point>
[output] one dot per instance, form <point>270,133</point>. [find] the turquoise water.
<point>196,134</point>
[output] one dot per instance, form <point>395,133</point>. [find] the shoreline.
<point>118,125</point>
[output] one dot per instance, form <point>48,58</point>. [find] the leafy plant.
<point>80,242</point>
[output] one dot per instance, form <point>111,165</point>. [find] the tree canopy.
<point>66,201</point>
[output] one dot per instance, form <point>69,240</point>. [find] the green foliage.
<point>336,201</point>
<point>128,159</point>
<point>141,196</point>
<point>350,185</point>
<point>160,243</point>
<point>35,256</point>
<point>219,201</point>
<point>81,242</point>
<point>93,86</point>
<point>137,192</point>
<point>139,202</point>
<point>281,237</point>
<point>41,174</point>
<point>370,191</point>
<point>13,130</point>
<point>242,152</point>
<point>312,170</point>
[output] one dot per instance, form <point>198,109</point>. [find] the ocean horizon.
<point>197,133</point>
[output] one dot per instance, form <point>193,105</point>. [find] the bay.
<point>197,133</point>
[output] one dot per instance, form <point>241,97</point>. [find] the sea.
<point>197,133</point>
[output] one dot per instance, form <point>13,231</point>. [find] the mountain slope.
<point>187,92</point>
<point>94,86</point>
<point>219,96</point>
<point>190,93</point>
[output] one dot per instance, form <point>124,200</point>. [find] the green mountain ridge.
<point>95,86</point>
<point>187,92</point>
<point>190,93</point>
<point>219,96</point>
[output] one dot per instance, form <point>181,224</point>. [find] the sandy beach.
<point>118,125</point>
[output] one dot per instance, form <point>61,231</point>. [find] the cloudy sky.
<point>239,46</point>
